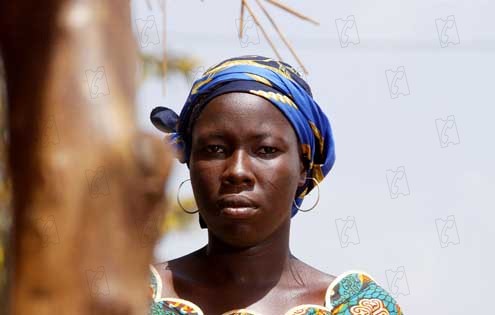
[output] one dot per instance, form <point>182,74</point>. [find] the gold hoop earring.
<point>178,199</point>
<point>317,199</point>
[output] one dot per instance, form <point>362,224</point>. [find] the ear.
<point>302,174</point>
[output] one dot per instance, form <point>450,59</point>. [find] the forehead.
<point>243,114</point>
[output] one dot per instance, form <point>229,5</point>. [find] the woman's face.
<point>245,167</point>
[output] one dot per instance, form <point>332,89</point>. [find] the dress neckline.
<point>192,308</point>
<point>351,293</point>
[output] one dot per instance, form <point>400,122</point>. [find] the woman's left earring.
<point>317,199</point>
<point>178,199</point>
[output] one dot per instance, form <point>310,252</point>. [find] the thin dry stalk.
<point>282,36</point>
<point>241,20</point>
<point>262,30</point>
<point>164,35</point>
<point>292,11</point>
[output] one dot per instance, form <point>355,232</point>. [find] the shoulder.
<point>170,274</point>
<point>164,298</point>
<point>355,292</point>
<point>162,280</point>
<point>304,275</point>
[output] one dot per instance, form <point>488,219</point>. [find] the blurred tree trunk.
<point>5,194</point>
<point>87,186</point>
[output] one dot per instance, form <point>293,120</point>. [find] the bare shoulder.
<point>164,271</point>
<point>174,272</point>
<point>311,277</point>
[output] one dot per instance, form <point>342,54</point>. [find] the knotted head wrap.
<point>273,80</point>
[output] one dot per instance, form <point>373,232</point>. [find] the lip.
<point>237,206</point>
<point>238,212</point>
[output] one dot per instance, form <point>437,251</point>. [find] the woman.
<point>253,153</point>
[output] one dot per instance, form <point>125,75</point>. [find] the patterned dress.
<point>352,293</point>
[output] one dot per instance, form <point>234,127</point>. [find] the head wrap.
<point>273,80</point>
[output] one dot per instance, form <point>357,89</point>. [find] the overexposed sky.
<point>408,88</point>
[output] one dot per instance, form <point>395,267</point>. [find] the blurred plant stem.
<point>185,66</point>
<point>176,64</point>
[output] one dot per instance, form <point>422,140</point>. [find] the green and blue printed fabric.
<point>352,293</point>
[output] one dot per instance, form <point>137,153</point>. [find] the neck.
<point>261,265</point>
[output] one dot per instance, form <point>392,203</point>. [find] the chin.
<point>239,235</point>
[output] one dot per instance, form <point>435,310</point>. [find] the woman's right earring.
<point>178,199</point>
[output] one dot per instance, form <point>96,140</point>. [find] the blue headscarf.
<point>273,80</point>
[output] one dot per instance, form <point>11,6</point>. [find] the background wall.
<point>408,87</point>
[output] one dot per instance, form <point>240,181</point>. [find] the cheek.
<point>204,180</point>
<point>280,182</point>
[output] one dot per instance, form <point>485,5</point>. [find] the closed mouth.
<point>236,201</point>
<point>238,212</point>
<point>237,206</point>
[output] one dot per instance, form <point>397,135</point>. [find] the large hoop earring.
<point>178,199</point>
<point>317,199</point>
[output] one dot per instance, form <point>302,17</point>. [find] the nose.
<point>238,170</point>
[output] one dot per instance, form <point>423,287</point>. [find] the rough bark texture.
<point>87,185</point>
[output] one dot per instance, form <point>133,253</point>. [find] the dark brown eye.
<point>213,148</point>
<point>268,150</point>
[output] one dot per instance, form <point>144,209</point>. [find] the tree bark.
<point>88,187</point>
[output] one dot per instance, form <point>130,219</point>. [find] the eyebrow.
<point>258,136</point>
